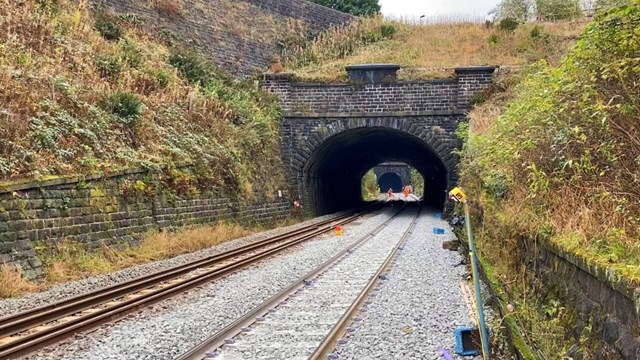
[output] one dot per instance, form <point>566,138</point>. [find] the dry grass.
<point>12,283</point>
<point>169,7</point>
<point>71,261</point>
<point>56,69</point>
<point>431,51</point>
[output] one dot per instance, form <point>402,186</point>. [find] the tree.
<point>355,7</point>
<point>519,10</point>
<point>606,4</point>
<point>553,10</point>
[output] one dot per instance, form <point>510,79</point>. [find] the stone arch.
<point>426,148</point>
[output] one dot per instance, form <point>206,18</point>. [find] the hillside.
<point>555,161</point>
<point>429,51</point>
<point>86,93</point>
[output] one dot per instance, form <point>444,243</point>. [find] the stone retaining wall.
<point>241,36</point>
<point>602,300</point>
<point>114,209</point>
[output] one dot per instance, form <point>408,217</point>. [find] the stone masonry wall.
<point>606,303</point>
<point>241,36</point>
<point>433,97</point>
<point>113,210</point>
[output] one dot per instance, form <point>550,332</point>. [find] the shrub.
<point>109,67</point>
<point>169,7</point>
<point>535,32</point>
<point>508,24</point>
<point>194,67</point>
<point>108,29</point>
<point>126,106</point>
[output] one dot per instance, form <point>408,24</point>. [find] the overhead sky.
<point>437,8</point>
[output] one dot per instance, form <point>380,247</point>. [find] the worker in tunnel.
<point>390,193</point>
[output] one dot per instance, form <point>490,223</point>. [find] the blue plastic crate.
<point>464,341</point>
<point>438,231</point>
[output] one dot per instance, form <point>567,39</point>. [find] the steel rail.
<point>23,321</point>
<point>339,330</point>
<point>216,340</point>
<point>22,345</point>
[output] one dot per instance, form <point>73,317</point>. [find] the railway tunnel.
<point>333,133</point>
<point>334,171</point>
<point>391,181</point>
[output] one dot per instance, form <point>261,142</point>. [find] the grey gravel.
<point>419,306</point>
<point>74,288</point>
<point>294,330</point>
<point>176,325</point>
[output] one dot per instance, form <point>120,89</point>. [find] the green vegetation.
<point>559,164</point>
<point>417,182</point>
<point>370,189</point>
<point>355,7</point>
<point>85,93</point>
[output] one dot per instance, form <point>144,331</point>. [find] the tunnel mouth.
<point>391,181</point>
<point>332,175</point>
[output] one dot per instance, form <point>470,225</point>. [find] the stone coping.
<point>26,184</point>
<point>476,69</point>
<point>372,67</point>
<point>373,115</point>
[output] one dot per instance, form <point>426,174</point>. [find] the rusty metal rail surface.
<point>28,331</point>
<point>324,350</point>
<point>217,340</point>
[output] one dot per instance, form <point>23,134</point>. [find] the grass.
<point>432,50</point>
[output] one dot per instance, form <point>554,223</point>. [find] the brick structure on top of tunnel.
<point>333,133</point>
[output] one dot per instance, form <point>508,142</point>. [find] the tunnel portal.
<point>391,181</point>
<point>333,133</point>
<point>333,173</point>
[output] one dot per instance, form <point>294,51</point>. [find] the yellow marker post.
<point>338,230</point>
<point>458,195</point>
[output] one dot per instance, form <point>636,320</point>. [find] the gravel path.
<point>418,308</point>
<point>294,330</point>
<point>74,288</point>
<point>174,326</point>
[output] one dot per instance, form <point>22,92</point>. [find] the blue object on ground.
<point>438,231</point>
<point>445,354</point>
<point>464,341</point>
<point>438,215</point>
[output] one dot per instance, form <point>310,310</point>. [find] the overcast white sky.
<point>415,8</point>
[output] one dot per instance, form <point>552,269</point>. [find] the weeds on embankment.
<point>431,50</point>
<point>69,261</point>
<point>85,92</point>
<point>555,159</point>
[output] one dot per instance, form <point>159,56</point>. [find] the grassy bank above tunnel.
<point>560,165</point>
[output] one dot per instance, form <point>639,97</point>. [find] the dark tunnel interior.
<point>334,172</point>
<point>390,181</point>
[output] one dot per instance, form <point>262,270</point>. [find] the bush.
<point>108,29</point>
<point>535,32</point>
<point>195,68</point>
<point>508,24</point>
<point>109,67</point>
<point>388,30</point>
<point>126,106</point>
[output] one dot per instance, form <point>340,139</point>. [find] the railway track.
<point>31,330</point>
<point>223,339</point>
